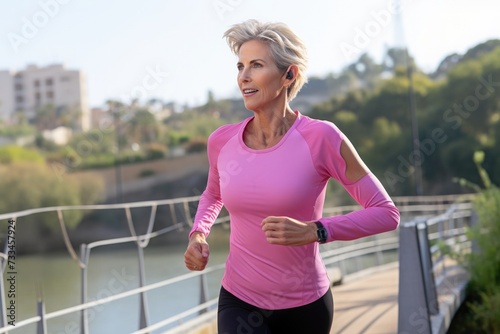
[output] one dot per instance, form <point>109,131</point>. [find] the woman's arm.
<point>379,214</point>
<point>209,207</point>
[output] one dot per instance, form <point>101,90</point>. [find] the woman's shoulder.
<point>223,133</point>
<point>319,128</point>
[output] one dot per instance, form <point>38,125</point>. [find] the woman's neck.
<point>268,127</point>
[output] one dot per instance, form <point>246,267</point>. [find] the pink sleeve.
<point>210,203</point>
<point>379,214</point>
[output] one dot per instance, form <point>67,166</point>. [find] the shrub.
<point>484,264</point>
<point>486,312</point>
<point>13,154</point>
<point>175,138</point>
<point>100,160</point>
<point>155,151</point>
<point>196,145</point>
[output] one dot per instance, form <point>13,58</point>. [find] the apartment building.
<point>28,90</point>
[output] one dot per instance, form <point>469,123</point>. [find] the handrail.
<point>398,200</point>
<point>142,204</point>
<point>338,255</point>
<point>141,242</point>
<point>449,199</point>
<point>382,243</point>
<point>423,267</point>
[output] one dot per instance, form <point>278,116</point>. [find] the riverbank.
<point>136,178</point>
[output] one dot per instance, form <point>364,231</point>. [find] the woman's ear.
<point>291,72</point>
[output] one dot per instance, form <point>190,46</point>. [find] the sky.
<point>174,50</point>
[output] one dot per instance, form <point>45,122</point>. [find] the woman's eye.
<point>257,65</point>
<point>240,67</point>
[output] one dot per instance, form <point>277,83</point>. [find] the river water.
<point>109,272</point>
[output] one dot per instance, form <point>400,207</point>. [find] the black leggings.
<point>237,317</point>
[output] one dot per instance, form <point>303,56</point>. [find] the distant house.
<point>60,135</point>
<point>26,91</point>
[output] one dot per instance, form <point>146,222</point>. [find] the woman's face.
<point>259,79</point>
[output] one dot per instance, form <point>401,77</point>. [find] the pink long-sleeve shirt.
<point>288,179</point>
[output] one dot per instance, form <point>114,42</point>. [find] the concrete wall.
<point>6,95</point>
<point>165,170</point>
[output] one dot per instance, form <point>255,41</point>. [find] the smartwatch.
<point>321,232</point>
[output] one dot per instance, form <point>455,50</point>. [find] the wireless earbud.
<point>289,75</point>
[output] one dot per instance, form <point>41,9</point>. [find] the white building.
<point>60,135</point>
<point>28,90</point>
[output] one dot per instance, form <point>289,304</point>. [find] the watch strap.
<point>321,232</point>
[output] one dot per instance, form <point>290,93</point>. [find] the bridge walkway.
<point>368,304</point>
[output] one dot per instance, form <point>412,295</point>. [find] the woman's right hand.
<point>197,252</point>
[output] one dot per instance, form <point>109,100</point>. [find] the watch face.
<point>321,232</point>
<point>322,235</point>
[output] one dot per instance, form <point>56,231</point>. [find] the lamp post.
<point>115,110</point>
<point>417,153</point>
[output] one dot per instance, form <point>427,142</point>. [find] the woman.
<point>270,172</point>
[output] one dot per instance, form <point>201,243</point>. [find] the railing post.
<point>342,267</point>
<point>379,253</point>
<point>428,270</point>
<point>473,221</point>
<point>187,213</point>
<point>83,258</point>
<point>203,292</point>
<point>357,262</point>
<point>413,315</point>
<point>143,317</point>
<point>41,327</point>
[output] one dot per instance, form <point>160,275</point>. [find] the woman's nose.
<point>243,76</point>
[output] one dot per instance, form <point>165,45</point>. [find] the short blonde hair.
<point>285,46</point>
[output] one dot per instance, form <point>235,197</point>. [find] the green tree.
<point>143,127</point>
<point>34,185</point>
<point>391,97</point>
<point>46,117</point>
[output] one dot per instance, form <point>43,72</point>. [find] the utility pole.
<point>417,153</point>
<point>115,111</point>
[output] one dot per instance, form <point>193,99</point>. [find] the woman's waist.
<point>288,267</point>
<point>275,286</point>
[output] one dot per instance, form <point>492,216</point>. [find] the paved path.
<point>368,304</point>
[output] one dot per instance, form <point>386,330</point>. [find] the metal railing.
<point>351,258</point>
<point>431,284</point>
<point>181,212</point>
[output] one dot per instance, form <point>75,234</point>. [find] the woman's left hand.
<point>288,231</point>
